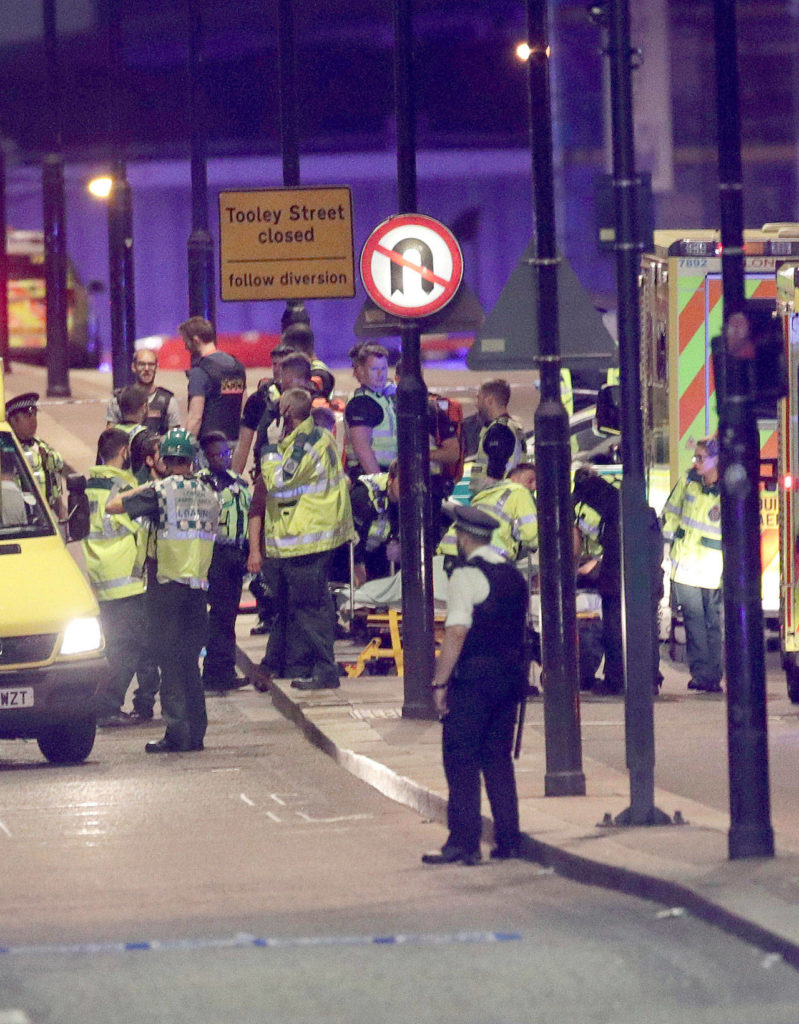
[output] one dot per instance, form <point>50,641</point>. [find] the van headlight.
<point>82,636</point>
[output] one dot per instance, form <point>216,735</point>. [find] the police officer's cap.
<point>22,403</point>
<point>179,443</point>
<point>470,519</point>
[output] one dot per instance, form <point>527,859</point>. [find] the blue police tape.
<point>277,942</point>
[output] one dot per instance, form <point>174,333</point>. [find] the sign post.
<point>290,243</point>
<point>411,267</point>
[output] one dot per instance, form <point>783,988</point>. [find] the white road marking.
<point>331,821</point>
<point>246,799</point>
<point>7,830</point>
<point>273,817</point>
<point>276,798</point>
<point>14,1017</point>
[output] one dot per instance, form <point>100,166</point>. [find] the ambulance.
<point>681,312</point>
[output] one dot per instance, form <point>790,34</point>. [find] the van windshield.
<point>22,511</point>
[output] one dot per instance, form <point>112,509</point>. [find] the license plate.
<point>22,697</point>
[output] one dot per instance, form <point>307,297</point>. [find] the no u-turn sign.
<point>411,265</point>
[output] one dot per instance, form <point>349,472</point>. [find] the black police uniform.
<point>486,685</point>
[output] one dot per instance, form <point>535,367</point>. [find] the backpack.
<point>454,411</point>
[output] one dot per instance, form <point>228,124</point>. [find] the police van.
<point>52,662</point>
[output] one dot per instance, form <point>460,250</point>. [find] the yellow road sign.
<point>286,243</point>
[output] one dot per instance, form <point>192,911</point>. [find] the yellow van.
<point>52,663</point>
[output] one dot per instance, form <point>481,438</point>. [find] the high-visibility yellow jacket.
<point>692,524</point>
<point>131,429</point>
<point>384,435</point>
<point>477,480</point>
<point>514,506</point>
<point>376,485</point>
<point>188,518</point>
<point>589,522</point>
<point>307,500</point>
<point>234,501</point>
<point>114,547</point>
<point>46,465</point>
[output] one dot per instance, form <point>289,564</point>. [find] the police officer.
<point>480,677</point>
<point>375,512</point>
<point>132,402</point>
<point>45,462</point>
<point>299,337</point>
<point>306,509</point>
<point>501,444</point>
<point>114,552</point>
<point>184,515</point>
<point>370,415</point>
<point>265,398</point>
<point>162,406</point>
<point>217,382</point>
<point>227,566</point>
<point>512,503</point>
<point>692,525</point>
<point>597,538</point>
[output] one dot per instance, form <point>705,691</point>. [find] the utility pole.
<point>412,438</point>
<point>750,834</point>
<point>295,311</point>
<point>55,221</point>
<point>120,219</point>
<point>564,771</point>
<point>639,653</point>
<point>200,246</point>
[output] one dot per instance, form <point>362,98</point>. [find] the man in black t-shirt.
<point>217,382</point>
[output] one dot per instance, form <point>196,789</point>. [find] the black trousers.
<point>224,593</point>
<point>478,738</point>
<point>125,628</point>
<point>612,641</point>
<point>302,637</point>
<point>182,617</point>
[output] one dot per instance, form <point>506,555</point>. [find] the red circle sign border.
<point>409,220</point>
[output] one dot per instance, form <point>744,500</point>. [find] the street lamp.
<point>100,187</point>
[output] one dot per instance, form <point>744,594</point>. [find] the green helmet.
<point>179,443</point>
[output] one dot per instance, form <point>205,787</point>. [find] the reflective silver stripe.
<point>109,531</point>
<point>327,482</point>
<point>122,581</point>
<point>173,533</point>
<point>306,538</point>
<point>297,492</point>
<point>502,552</point>
<point>702,526</point>
<point>195,582</point>
<point>588,524</point>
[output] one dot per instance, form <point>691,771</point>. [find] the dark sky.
<point>470,88</point>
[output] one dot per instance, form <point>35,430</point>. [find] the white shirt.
<point>468,586</point>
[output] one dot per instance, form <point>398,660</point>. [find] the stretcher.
<point>380,604</point>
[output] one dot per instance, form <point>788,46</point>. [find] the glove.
<point>274,432</point>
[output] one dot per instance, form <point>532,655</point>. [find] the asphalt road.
<point>257,881</point>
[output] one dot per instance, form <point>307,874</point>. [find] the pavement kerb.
<point>575,866</point>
